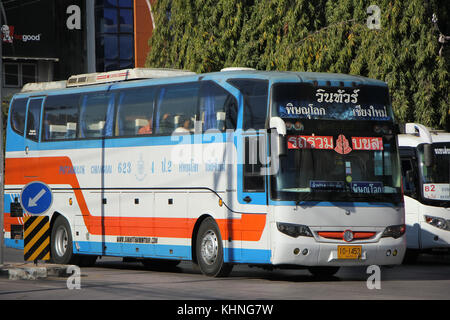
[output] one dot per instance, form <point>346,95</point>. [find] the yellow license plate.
<point>349,252</point>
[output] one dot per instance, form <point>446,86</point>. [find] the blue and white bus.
<point>425,159</point>
<point>274,169</point>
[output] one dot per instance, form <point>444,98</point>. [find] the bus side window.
<point>18,110</point>
<point>34,119</point>
<point>255,94</point>
<point>218,108</point>
<point>253,179</point>
<point>61,115</point>
<point>175,108</point>
<point>97,115</point>
<point>135,112</point>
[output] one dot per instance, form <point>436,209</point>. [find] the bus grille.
<point>339,235</point>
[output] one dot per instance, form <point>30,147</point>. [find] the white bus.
<point>425,157</point>
<point>273,169</point>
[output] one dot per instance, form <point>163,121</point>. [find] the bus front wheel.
<point>209,250</point>
<point>61,242</point>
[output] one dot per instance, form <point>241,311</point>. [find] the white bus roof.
<point>106,77</point>
<point>416,134</point>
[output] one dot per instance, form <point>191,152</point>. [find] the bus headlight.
<point>394,231</point>
<point>440,223</point>
<point>294,230</point>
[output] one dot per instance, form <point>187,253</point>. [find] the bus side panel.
<point>412,208</point>
<point>13,225</point>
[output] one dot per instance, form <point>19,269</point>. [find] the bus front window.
<point>435,178</point>
<point>335,153</point>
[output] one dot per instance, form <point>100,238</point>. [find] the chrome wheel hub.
<point>209,247</point>
<point>61,241</point>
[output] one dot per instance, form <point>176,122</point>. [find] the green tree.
<point>319,36</point>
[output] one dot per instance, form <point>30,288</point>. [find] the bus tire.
<point>61,246</point>
<point>209,250</point>
<point>323,272</point>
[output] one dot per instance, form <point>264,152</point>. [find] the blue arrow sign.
<point>36,197</point>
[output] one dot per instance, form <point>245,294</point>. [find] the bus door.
<point>252,157</point>
<point>102,197</point>
<point>410,179</point>
<point>31,142</point>
<point>252,169</point>
<point>252,197</point>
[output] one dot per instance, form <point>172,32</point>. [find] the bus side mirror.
<point>278,136</point>
<point>427,155</point>
<point>278,124</point>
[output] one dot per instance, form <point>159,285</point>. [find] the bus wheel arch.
<point>58,255</point>
<point>208,252</point>
<point>194,236</point>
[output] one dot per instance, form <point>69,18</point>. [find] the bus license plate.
<point>349,252</point>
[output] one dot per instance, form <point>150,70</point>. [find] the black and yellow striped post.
<point>36,238</point>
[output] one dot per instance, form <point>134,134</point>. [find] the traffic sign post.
<point>36,198</point>
<point>36,238</point>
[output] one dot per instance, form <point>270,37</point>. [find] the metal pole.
<point>90,35</point>
<point>2,251</point>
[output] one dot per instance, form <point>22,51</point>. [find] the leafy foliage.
<point>319,36</point>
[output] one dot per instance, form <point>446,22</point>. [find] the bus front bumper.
<point>433,237</point>
<point>309,252</point>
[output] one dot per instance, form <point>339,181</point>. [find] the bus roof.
<point>144,76</point>
<point>416,134</point>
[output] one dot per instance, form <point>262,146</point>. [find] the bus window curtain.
<point>119,114</point>
<point>82,117</point>
<point>46,127</point>
<point>158,108</point>
<point>208,106</point>
<point>108,129</point>
<point>210,113</point>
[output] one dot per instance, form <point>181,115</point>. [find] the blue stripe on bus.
<point>13,243</point>
<point>335,204</point>
<point>164,251</point>
<point>16,142</point>
<point>156,251</point>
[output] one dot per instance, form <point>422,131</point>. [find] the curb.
<point>30,271</point>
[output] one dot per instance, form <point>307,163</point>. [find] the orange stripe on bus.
<point>20,171</point>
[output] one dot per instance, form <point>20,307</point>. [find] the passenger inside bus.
<point>165,125</point>
<point>184,125</point>
<point>146,129</point>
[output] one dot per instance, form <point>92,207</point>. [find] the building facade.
<point>49,40</point>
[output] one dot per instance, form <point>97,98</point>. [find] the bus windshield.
<point>436,178</point>
<point>338,149</point>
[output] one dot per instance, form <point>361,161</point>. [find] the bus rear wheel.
<point>209,250</point>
